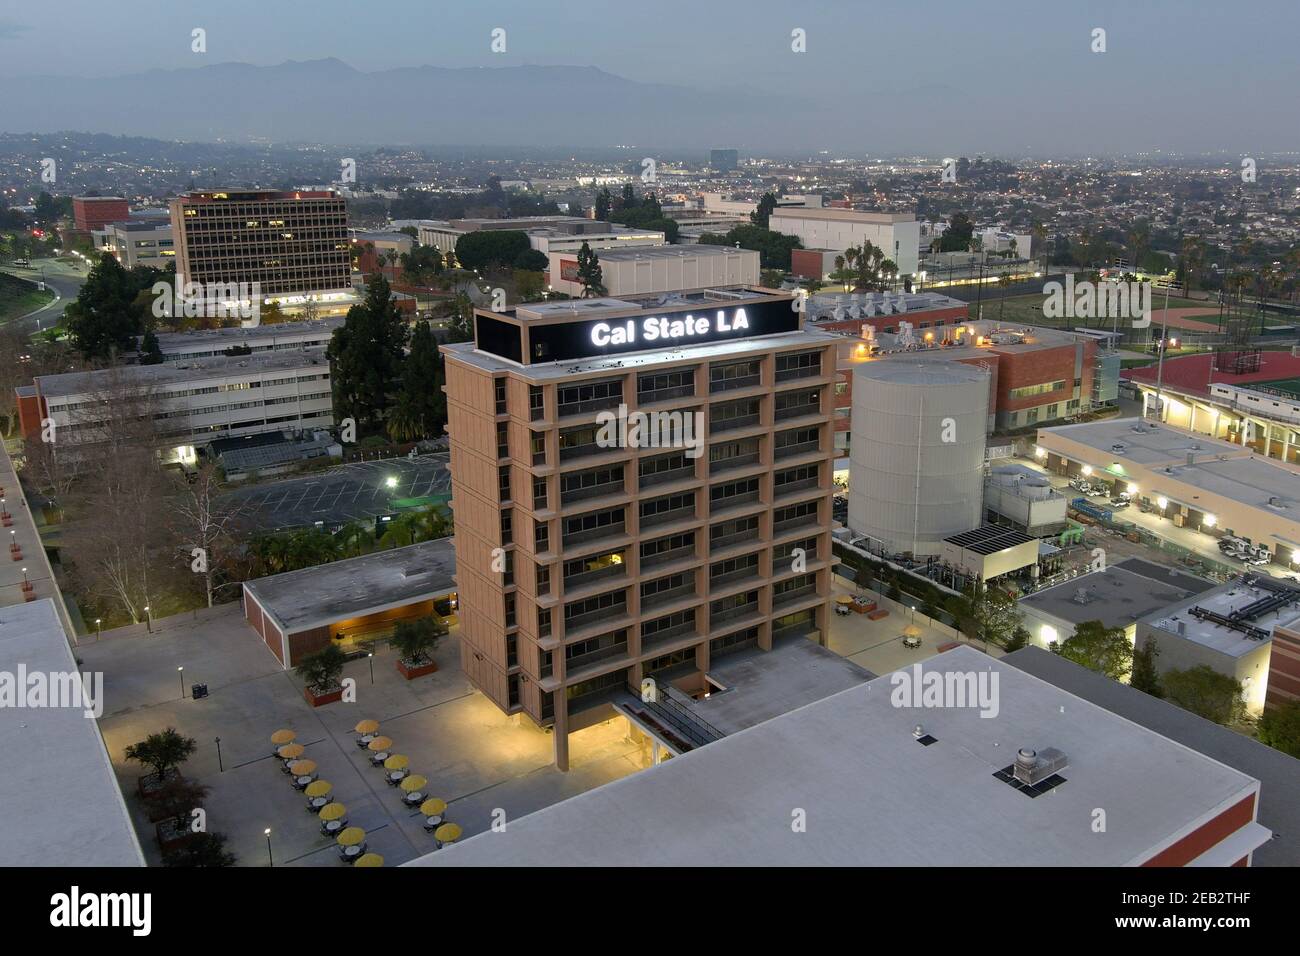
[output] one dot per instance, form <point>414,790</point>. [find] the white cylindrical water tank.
<point>917,452</point>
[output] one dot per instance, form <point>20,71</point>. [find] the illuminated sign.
<point>699,326</point>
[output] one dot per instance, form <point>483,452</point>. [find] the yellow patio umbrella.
<point>291,751</point>
<point>413,783</point>
<point>283,737</point>
<point>911,631</point>
<point>447,833</point>
<point>433,806</point>
<point>318,788</point>
<point>366,726</point>
<point>380,743</point>
<point>352,836</point>
<point>335,811</point>
<point>302,768</point>
<point>369,859</point>
<point>397,762</point>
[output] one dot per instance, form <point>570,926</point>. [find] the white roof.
<point>871,793</point>
<point>61,800</point>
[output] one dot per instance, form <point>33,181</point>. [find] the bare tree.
<point>203,526</point>
<point>117,540</point>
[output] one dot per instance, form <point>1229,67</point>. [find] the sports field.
<point>1291,386</point>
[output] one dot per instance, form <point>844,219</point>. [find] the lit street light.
<point>269,857</point>
<point>371,655</point>
<point>148,619</point>
<point>391,481</point>
<point>180,672</point>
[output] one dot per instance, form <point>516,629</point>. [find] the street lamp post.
<point>180,673</point>
<point>221,768</point>
<point>148,619</point>
<point>270,859</point>
<point>371,656</point>
<point>98,622</point>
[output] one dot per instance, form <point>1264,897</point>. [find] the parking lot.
<point>483,763</point>
<point>344,493</point>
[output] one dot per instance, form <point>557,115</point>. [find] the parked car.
<point>1119,503</point>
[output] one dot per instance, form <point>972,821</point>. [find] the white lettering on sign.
<point>661,329</point>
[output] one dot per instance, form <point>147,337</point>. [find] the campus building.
<point>826,233</point>
<point>351,603</point>
<point>659,269</point>
<point>1250,397</point>
<point>90,213</point>
<point>294,245</point>
<point>1197,482</point>
<point>192,402</point>
<point>282,336</point>
<point>588,560</point>
<point>138,242</point>
<point>1036,375</point>
<point>947,785</point>
<point>546,234</point>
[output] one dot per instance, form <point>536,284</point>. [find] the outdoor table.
<point>414,798</point>
<point>395,777</point>
<point>433,822</point>
<point>351,853</point>
<point>364,740</point>
<point>316,803</point>
<point>333,827</point>
<point>301,782</point>
<point>379,758</point>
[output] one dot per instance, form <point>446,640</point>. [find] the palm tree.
<point>1004,282</point>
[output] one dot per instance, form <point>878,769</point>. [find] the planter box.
<point>170,838</point>
<point>412,671</point>
<point>320,700</point>
<point>151,785</point>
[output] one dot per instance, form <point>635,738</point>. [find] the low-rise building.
<point>1018,790</point>
<point>280,337</point>
<point>546,234</point>
<point>190,403</point>
<point>1229,629</point>
<point>138,242</point>
<point>823,230</point>
<point>660,269</point>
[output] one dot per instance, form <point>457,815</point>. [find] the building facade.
<point>138,243</point>
<point>834,230</point>
<point>95,212</point>
<point>647,271</point>
<point>585,564</point>
<point>292,244</point>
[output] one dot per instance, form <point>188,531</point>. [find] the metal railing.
<point>592,491</point>
<point>667,557</point>
<point>736,537</point>
<point>666,517</point>
<point>685,723</point>
<point>790,487</point>
<point>578,621</point>
<point>666,635</point>
<point>595,534</point>
<point>664,477</point>
<point>733,501</point>
<point>589,405</point>
<point>730,577</point>
<point>730,424</point>
<point>798,448</point>
<point>738,461</point>
<point>578,661</point>
<point>733,613</point>
<point>793,594</point>
<point>785,524</point>
<point>798,411</point>
<point>660,598</point>
<point>583,578</point>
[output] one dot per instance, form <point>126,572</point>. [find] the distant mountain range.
<point>328,101</point>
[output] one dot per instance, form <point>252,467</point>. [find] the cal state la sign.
<point>699,326</point>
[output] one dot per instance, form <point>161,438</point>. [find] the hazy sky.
<point>1227,69</point>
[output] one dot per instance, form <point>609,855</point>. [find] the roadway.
<point>65,279</point>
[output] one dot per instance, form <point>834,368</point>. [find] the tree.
<point>628,197</point>
<point>366,355</point>
<point>957,237</point>
<point>150,351</point>
<point>162,752</point>
<point>321,671</point>
<point>604,201</point>
<point>422,265</point>
<point>1206,693</point>
<point>589,273</point>
<point>203,525</point>
<point>996,615</point>
<point>1019,639</point>
<point>1105,650</point>
<point>766,204</point>
<point>1279,727</point>
<point>102,321</point>
<point>416,640</point>
<point>461,326</point>
<point>773,247</point>
<point>530,260</point>
<point>491,248</point>
<point>1145,677</point>
<point>202,849</point>
<point>421,408</point>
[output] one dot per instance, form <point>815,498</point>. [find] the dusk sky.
<point>1176,72</point>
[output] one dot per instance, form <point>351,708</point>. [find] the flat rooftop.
<point>1218,467</point>
<point>668,252</point>
<point>874,795</point>
<point>1119,595</point>
<point>314,597</point>
<point>1224,600</point>
<point>237,335</point>
<point>175,373</point>
<point>762,684</point>
<point>60,795</point>
<point>1278,773</point>
<point>989,539</point>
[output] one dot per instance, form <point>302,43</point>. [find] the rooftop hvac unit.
<point>1033,768</point>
